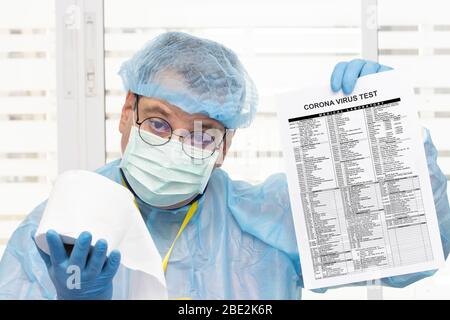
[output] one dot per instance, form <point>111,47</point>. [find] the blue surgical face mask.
<point>164,175</point>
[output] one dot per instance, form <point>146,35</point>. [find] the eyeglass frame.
<point>136,105</point>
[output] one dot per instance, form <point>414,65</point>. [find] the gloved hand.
<point>86,274</point>
<point>345,74</point>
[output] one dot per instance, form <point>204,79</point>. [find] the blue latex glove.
<point>96,271</point>
<point>345,74</point>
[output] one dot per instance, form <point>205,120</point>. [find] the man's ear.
<point>225,146</point>
<point>127,112</point>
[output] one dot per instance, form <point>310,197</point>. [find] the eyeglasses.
<point>196,144</point>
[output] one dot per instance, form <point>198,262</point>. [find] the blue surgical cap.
<point>195,74</point>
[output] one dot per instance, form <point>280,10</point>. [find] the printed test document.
<point>358,182</point>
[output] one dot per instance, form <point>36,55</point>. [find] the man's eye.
<point>201,139</point>
<point>157,126</point>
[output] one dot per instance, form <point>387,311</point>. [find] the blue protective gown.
<point>239,245</point>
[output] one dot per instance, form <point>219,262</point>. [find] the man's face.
<point>181,122</point>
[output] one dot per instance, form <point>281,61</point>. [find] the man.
<point>239,239</point>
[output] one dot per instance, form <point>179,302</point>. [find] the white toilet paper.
<point>86,201</point>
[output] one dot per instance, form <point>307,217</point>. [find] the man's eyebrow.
<point>211,125</point>
<point>155,108</point>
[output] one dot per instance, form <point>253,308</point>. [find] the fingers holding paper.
<point>345,74</point>
<point>85,273</point>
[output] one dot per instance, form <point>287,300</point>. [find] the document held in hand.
<point>358,181</point>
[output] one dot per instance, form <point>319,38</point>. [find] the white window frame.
<point>80,86</point>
